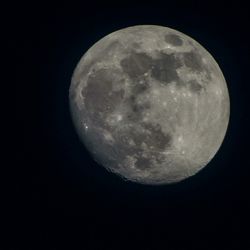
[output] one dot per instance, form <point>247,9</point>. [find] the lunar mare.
<point>150,104</point>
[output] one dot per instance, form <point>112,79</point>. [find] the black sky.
<point>62,197</point>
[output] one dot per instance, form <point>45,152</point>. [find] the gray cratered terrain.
<point>150,104</point>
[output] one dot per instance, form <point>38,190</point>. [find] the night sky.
<point>62,197</point>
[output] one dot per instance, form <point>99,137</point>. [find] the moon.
<point>150,104</point>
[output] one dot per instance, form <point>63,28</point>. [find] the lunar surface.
<point>150,104</point>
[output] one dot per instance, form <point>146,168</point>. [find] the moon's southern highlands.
<point>150,104</point>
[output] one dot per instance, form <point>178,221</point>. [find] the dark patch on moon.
<point>139,86</point>
<point>136,64</point>
<point>153,137</point>
<point>140,107</point>
<point>99,88</point>
<point>142,162</point>
<point>173,39</point>
<point>145,160</point>
<point>157,139</point>
<point>193,60</point>
<point>135,108</point>
<point>194,86</point>
<point>164,68</point>
<point>136,45</point>
<point>133,116</point>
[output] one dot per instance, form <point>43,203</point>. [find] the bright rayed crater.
<point>150,104</point>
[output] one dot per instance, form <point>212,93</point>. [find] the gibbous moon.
<point>150,104</point>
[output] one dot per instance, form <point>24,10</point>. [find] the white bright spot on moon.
<point>119,117</point>
<point>156,92</point>
<point>85,126</point>
<point>131,142</point>
<point>180,139</point>
<point>218,92</point>
<point>108,137</point>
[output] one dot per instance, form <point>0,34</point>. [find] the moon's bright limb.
<point>150,104</point>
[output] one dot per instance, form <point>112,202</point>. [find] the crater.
<point>164,68</point>
<point>173,39</point>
